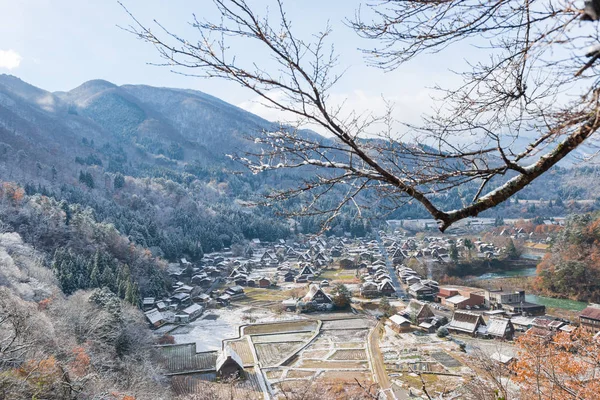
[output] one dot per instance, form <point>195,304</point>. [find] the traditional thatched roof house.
<point>155,318</point>
<point>369,289</point>
<point>589,319</point>
<point>306,270</point>
<point>418,311</point>
<point>465,322</point>
<point>317,295</point>
<point>500,328</point>
<point>229,364</point>
<point>386,288</point>
<point>420,291</point>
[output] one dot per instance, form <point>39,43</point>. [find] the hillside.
<point>151,162</point>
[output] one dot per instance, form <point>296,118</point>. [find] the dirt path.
<point>377,362</point>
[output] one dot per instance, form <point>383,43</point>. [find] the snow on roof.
<point>465,321</point>
<point>498,326</point>
<point>456,299</point>
<point>501,358</point>
<point>523,321</point>
<point>228,353</point>
<point>154,316</point>
<point>399,319</point>
<point>192,309</point>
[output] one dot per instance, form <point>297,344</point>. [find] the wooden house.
<point>465,322</point>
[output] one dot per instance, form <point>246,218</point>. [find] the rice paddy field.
<point>308,351</point>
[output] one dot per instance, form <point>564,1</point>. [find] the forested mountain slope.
<point>150,163</point>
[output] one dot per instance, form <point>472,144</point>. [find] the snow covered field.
<point>215,325</point>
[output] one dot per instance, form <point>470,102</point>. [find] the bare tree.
<point>515,115</point>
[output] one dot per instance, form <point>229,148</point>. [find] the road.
<point>399,290</point>
<point>377,362</point>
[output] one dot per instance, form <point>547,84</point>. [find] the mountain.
<point>150,162</point>
<point>155,126</point>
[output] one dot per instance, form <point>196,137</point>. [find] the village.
<point>267,319</point>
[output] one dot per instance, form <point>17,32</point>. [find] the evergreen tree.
<point>95,277</point>
<point>453,252</point>
<point>341,296</point>
<point>386,307</point>
<point>65,207</point>
<point>119,181</point>
<point>510,250</point>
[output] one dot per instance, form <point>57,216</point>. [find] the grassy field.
<point>339,275</point>
<point>268,294</point>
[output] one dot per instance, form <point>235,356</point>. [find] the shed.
<point>399,324</point>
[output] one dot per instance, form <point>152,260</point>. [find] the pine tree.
<point>119,181</point>
<point>95,277</point>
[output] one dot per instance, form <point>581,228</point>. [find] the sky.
<point>59,44</point>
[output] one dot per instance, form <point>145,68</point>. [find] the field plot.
<point>347,324</point>
<point>339,275</point>
<point>281,327</point>
<point>242,348</point>
<point>205,385</point>
<point>349,355</point>
<point>346,336</point>
<point>362,376</point>
<point>315,354</point>
<point>271,354</point>
<point>406,353</point>
<point>323,364</point>
<point>299,374</point>
<point>446,360</point>
<point>274,374</point>
<point>284,337</point>
<point>331,362</point>
<point>183,358</point>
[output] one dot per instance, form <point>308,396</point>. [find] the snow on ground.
<point>208,332</point>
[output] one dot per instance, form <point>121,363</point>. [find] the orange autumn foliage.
<point>546,229</point>
<point>563,367</point>
<point>43,304</point>
<point>12,192</point>
<point>41,373</point>
<point>81,362</point>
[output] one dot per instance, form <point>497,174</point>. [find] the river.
<point>530,271</point>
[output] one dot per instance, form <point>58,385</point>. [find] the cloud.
<point>10,59</point>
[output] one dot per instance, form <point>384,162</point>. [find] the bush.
<point>166,339</point>
<point>442,332</point>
